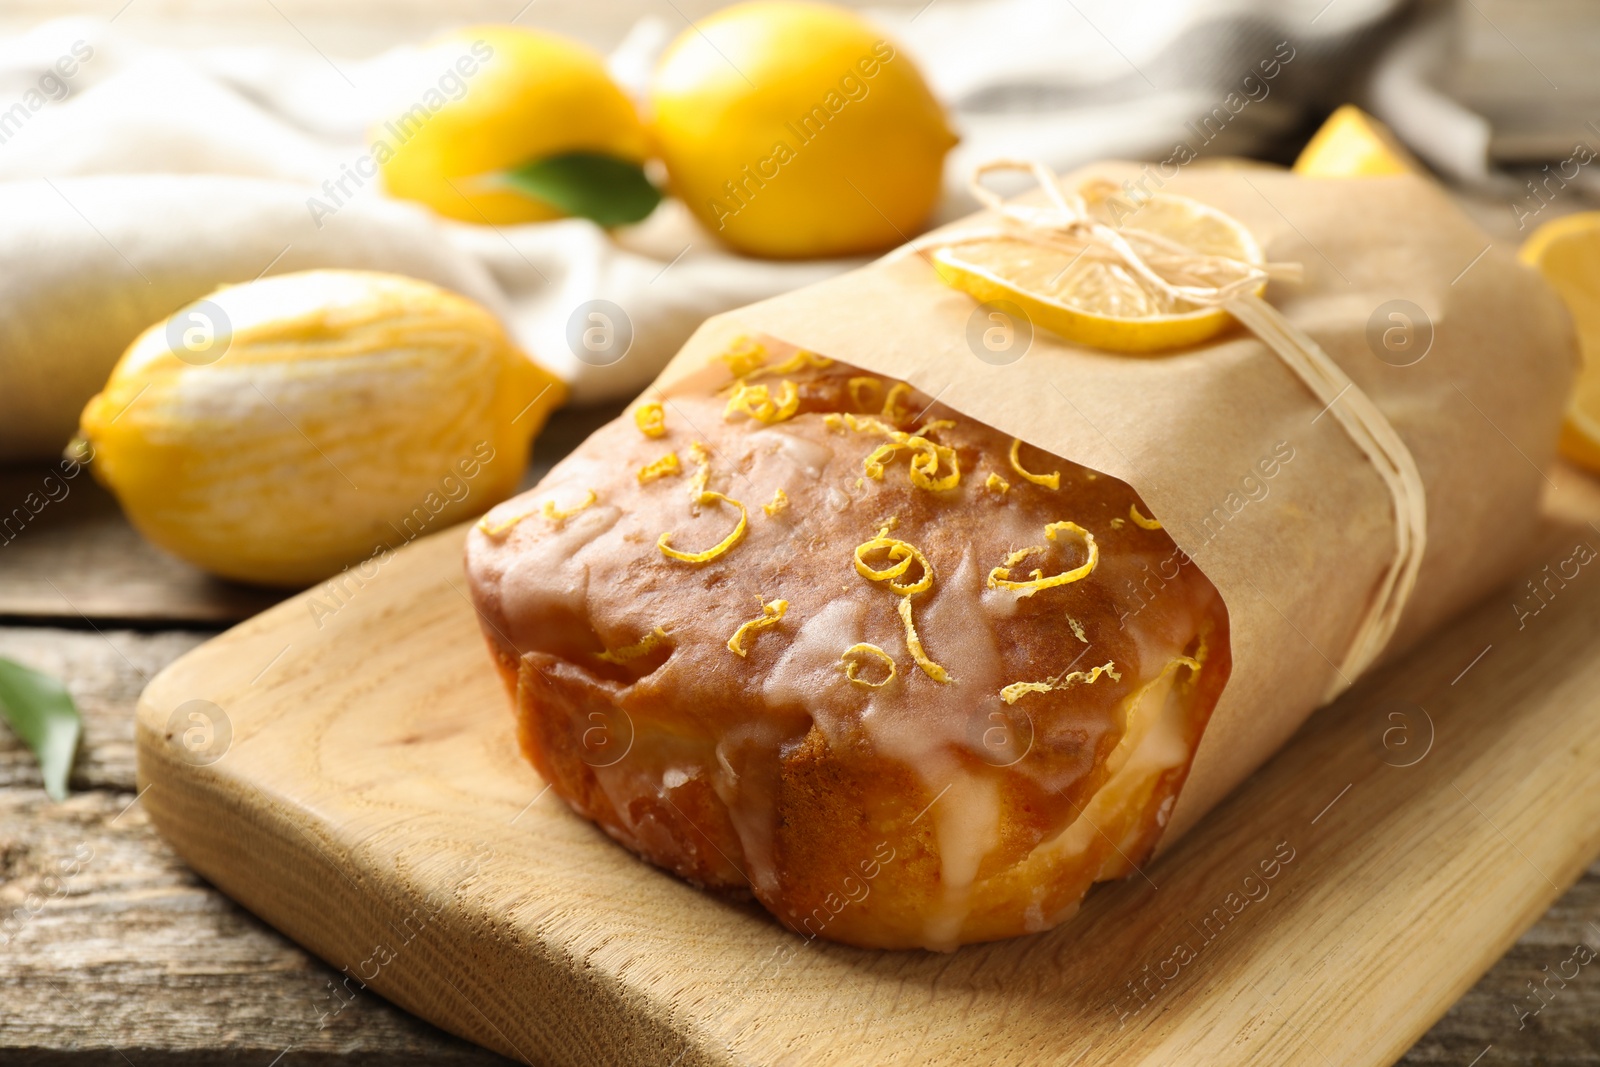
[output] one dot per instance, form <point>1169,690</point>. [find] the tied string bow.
<point>1180,273</point>
<point>1191,279</point>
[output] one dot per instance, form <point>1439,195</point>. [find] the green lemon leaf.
<point>587,185</point>
<point>42,713</point>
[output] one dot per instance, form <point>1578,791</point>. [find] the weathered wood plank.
<point>105,671</point>
<point>67,553</point>
<point>112,951</point>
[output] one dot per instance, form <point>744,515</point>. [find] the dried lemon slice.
<point>1092,298</point>
<point>1567,252</point>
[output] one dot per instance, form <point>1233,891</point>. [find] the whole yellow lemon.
<point>796,129</point>
<point>280,430</point>
<point>490,99</point>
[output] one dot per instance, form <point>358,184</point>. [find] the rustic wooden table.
<point>132,959</point>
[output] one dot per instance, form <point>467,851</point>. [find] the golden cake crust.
<point>918,813</point>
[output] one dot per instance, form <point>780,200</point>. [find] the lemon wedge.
<point>1567,252</point>
<point>1353,144</point>
<point>1093,299</point>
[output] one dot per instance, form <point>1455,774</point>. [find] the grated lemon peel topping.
<point>1049,481</point>
<point>715,550</point>
<point>770,614</point>
<point>1016,690</point>
<point>780,500</point>
<point>1000,577</point>
<point>891,402</point>
<point>1140,521</point>
<point>904,553</point>
<point>853,667</point>
<point>744,356</point>
<point>799,361</point>
<point>660,468</point>
<point>651,418</point>
<point>996,484</point>
<point>1077,629</point>
<point>561,515</point>
<point>856,385</point>
<point>1117,524</point>
<point>500,528</point>
<point>914,644</point>
<point>926,456</point>
<point>699,494</point>
<point>644,647</point>
<point>758,402</point>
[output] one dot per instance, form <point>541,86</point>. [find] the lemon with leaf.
<point>508,125</point>
<point>795,129</point>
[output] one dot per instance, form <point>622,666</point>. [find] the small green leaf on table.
<point>588,185</point>
<point>41,712</point>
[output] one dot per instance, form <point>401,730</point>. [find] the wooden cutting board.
<point>350,775</point>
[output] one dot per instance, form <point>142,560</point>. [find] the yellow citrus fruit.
<point>280,430</point>
<point>1567,252</point>
<point>1095,300</point>
<point>796,130</point>
<point>492,98</point>
<point>1353,144</point>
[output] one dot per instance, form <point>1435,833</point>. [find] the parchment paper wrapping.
<point>1297,561</point>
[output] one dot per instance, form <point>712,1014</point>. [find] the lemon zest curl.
<point>1140,521</point>
<point>770,614</point>
<point>799,361</point>
<point>627,654</point>
<point>914,644</point>
<point>660,468</point>
<point>852,667</point>
<point>1000,577</point>
<point>1016,690</point>
<point>561,515</point>
<point>717,549</point>
<point>744,356</point>
<point>902,551</point>
<point>758,402</point>
<point>699,494</point>
<point>1049,481</point>
<point>651,418</point>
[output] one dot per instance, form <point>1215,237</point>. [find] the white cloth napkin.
<point>229,140</point>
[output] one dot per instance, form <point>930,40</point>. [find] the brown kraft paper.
<point>1297,553</point>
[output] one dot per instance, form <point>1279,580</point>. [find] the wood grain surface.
<point>371,804</point>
